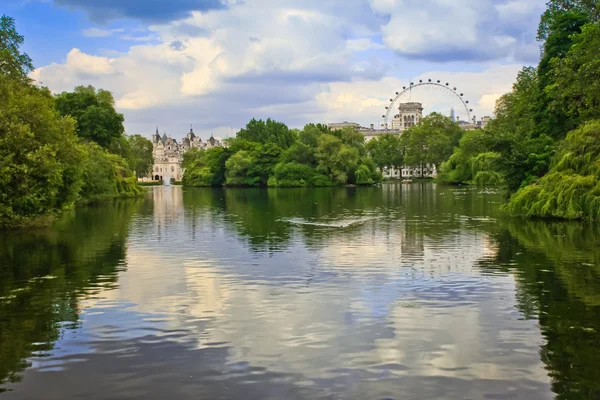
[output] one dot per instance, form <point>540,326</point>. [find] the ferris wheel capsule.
<point>461,95</point>
<point>391,100</point>
<point>397,93</point>
<point>467,101</point>
<point>429,80</point>
<point>386,108</point>
<point>454,89</point>
<point>471,110</point>
<point>420,81</point>
<point>447,84</point>
<point>403,87</point>
<point>438,81</point>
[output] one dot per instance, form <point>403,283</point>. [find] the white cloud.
<point>363,44</point>
<point>318,61</point>
<point>442,30</point>
<point>132,38</point>
<point>365,101</point>
<point>96,32</point>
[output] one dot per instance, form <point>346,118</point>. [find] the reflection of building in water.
<point>168,208</point>
<point>168,154</point>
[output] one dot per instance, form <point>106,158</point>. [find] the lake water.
<point>400,292</point>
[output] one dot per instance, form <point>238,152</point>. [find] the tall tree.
<point>554,121</point>
<point>576,89</point>
<point>268,131</point>
<point>554,8</point>
<point>387,152</point>
<point>432,141</point>
<point>94,111</point>
<point>141,158</point>
<point>13,62</point>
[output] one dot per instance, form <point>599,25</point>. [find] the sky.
<point>215,64</point>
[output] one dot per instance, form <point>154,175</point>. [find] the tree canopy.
<point>141,158</point>
<point>313,156</point>
<point>94,111</point>
<point>45,166</point>
<point>387,151</point>
<point>13,63</point>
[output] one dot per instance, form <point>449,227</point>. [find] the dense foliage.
<point>94,111</point>
<point>270,154</point>
<point>528,147</point>
<point>13,63</point>
<point>571,189</point>
<point>57,151</point>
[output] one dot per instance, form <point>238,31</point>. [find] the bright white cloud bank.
<point>308,61</point>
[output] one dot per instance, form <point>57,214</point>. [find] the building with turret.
<point>168,154</point>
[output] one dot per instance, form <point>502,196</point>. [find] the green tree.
<point>576,89</point>
<point>141,159</point>
<point>387,152</point>
<point>571,189</point>
<point>205,167</point>
<point>237,170</point>
<point>459,167</point>
<point>432,141</point>
<point>442,135</point>
<point>40,158</point>
<point>291,174</point>
<point>414,141</point>
<point>309,136</point>
<point>553,119</point>
<point>94,111</point>
<point>352,138</point>
<point>300,153</point>
<point>335,159</point>
<point>13,63</point>
<point>555,8</point>
<point>268,131</point>
<point>106,176</point>
<point>264,160</point>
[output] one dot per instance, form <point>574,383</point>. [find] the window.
<point>172,169</point>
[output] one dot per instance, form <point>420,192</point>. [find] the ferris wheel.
<point>434,95</point>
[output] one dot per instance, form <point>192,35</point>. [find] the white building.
<point>168,154</point>
<point>484,121</point>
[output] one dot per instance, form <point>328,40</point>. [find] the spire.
<point>191,134</point>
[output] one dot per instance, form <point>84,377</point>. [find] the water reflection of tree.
<point>45,274</point>
<point>557,268</point>
<point>261,216</point>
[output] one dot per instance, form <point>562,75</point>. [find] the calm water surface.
<point>399,292</point>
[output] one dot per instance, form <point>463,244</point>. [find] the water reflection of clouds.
<point>431,315</point>
<point>379,307</point>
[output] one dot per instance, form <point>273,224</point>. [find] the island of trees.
<point>268,153</point>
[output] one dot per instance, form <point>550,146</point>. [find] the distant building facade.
<point>168,154</point>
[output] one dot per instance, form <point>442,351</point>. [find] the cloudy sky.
<point>217,63</point>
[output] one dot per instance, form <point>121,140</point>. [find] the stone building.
<point>409,115</point>
<point>168,154</point>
